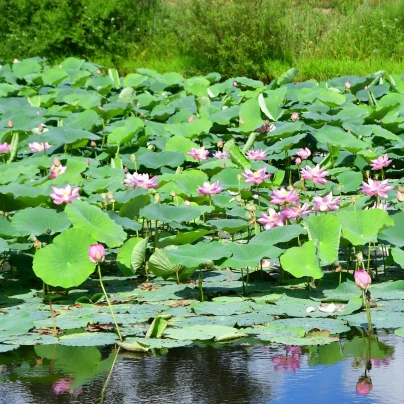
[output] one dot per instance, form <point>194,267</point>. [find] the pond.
<point>234,373</point>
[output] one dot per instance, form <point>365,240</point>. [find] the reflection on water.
<point>359,369</point>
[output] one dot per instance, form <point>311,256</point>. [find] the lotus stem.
<point>242,280</point>
<point>178,277</point>
<point>108,302</point>
<point>200,283</point>
<point>109,376</point>
<point>55,331</point>
<point>248,277</point>
<point>368,315</point>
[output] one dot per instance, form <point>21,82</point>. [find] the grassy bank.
<point>255,38</point>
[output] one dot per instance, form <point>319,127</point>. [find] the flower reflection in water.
<point>289,362</point>
<point>62,386</point>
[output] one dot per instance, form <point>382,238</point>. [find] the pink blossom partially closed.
<point>140,180</point>
<point>373,188</point>
<point>199,153</point>
<point>364,386</point>
<point>38,147</point>
<point>326,203</point>
<point>281,196</point>
<point>304,154</point>
<point>209,189</point>
<point>256,154</point>
<point>256,177</point>
<point>380,162</point>
<point>272,219</point>
<point>362,279</point>
<point>66,194</point>
<point>294,211</point>
<point>347,85</point>
<point>56,169</point>
<point>96,253</point>
<point>316,174</point>
<point>4,148</point>
<point>221,155</point>
<point>295,117</point>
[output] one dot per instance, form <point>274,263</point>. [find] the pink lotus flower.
<point>199,154</point>
<point>298,161</point>
<point>255,177</point>
<point>56,168</point>
<point>62,386</point>
<point>381,206</point>
<point>304,154</point>
<point>292,212</point>
<point>66,194</point>
<point>16,60</point>
<point>315,174</point>
<point>295,117</point>
<point>10,124</point>
<point>362,279</point>
<point>380,162</point>
<point>267,127</point>
<point>209,189</point>
<point>140,180</point>
<point>273,219</point>
<point>347,85</point>
<point>96,253</point>
<point>326,203</point>
<point>38,147</point>
<point>364,386</point>
<point>4,148</point>
<point>373,188</point>
<point>283,196</point>
<point>221,155</point>
<point>256,154</point>
<point>293,350</point>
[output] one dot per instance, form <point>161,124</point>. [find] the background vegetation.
<point>256,38</point>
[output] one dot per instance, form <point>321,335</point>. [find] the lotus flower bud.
<point>240,121</point>
<point>93,144</point>
<point>400,194</point>
<point>347,85</point>
<point>187,203</point>
<point>126,170</point>
<point>191,118</point>
<point>235,83</point>
<point>295,117</point>
<point>10,123</point>
<point>56,162</point>
<point>88,162</point>
<point>362,279</point>
<point>132,158</point>
<point>96,253</point>
<point>220,144</point>
<point>298,161</point>
<point>364,386</point>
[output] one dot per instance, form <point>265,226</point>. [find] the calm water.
<point>206,375</point>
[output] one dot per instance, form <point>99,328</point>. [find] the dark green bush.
<point>92,29</point>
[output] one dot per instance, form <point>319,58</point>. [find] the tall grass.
<point>256,38</point>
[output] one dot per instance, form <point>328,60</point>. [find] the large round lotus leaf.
<point>249,255</point>
<point>362,226</point>
<point>228,321</point>
<point>39,221</point>
<point>326,232</point>
<point>394,235</point>
<point>3,245</point>
<point>64,135</point>
<point>302,261</point>
<point>314,337</point>
<point>200,332</point>
<point>93,221</point>
<point>88,339</point>
<point>194,255</point>
<point>65,262</point>
<point>279,234</point>
<point>220,308</point>
<point>307,324</point>
<point>15,322</point>
<point>168,214</point>
<point>7,348</point>
<point>123,259</point>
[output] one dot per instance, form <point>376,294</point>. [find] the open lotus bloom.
<point>209,189</point>
<point>304,154</point>
<point>281,196</point>
<point>326,203</point>
<point>272,219</point>
<point>221,155</point>
<point>140,180</point>
<point>38,147</point>
<point>256,154</point>
<point>256,177</point>
<point>199,153</point>
<point>316,174</point>
<point>380,163</point>
<point>67,194</point>
<point>4,148</point>
<point>373,188</point>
